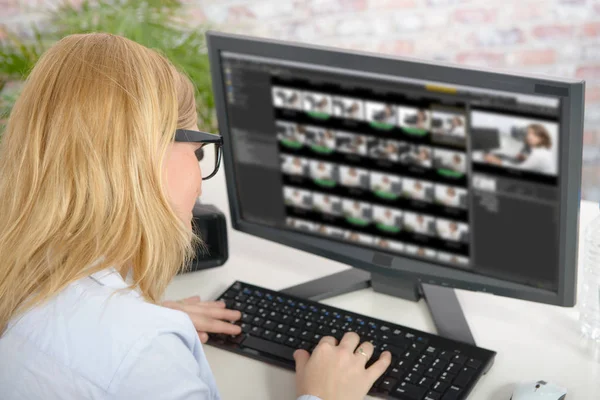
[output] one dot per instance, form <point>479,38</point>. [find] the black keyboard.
<point>424,366</point>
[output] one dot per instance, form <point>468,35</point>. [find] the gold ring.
<point>361,351</point>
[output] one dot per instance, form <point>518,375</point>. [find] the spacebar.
<point>272,348</point>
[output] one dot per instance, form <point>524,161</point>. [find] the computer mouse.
<point>540,390</point>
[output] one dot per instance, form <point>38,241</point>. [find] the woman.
<point>541,158</point>
<point>96,194</point>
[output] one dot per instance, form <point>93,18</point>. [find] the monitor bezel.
<point>485,78</point>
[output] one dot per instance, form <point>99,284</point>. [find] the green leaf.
<point>157,24</point>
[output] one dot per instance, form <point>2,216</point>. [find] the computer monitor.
<point>418,195</point>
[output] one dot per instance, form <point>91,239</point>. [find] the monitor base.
<point>442,302</point>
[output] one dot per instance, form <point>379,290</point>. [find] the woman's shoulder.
<point>93,328</point>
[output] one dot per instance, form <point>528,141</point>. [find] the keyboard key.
<point>439,363</point>
<point>274,316</point>
<point>422,340</point>
<point>245,327</point>
<point>446,355</point>
<point>410,391</point>
<point>241,298</point>
<point>268,334</point>
<point>453,368</point>
<point>305,346</point>
<point>453,393</point>
<point>388,384</point>
<point>440,387</point>
<point>269,325</point>
<point>424,381</point>
<point>230,294</point>
<point>431,351</point>
<point>409,355</point>
<point>432,396</point>
<point>419,369</point>
<point>264,303</point>
<point>336,333</point>
<point>251,309</point>
<point>447,377</point>
<point>412,377</point>
<point>433,373</point>
<point>397,373</point>
<point>265,346</point>
<point>473,363</point>
<point>298,323</point>
<point>256,331</point>
<point>247,317</point>
<point>292,342</point>
<point>293,331</point>
<point>323,330</point>
<point>237,339</point>
<point>459,359</point>
<point>310,326</point>
<point>287,319</point>
<point>282,328</point>
<point>425,360</point>
<point>416,346</point>
<point>237,305</point>
<point>258,321</point>
<point>464,377</point>
<point>397,351</point>
<point>306,335</point>
<point>280,338</point>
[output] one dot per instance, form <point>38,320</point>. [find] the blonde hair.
<point>81,171</point>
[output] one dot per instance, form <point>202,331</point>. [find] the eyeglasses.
<point>210,143</point>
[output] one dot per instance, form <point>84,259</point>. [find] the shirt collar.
<point>112,278</point>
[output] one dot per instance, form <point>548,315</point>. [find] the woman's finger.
<point>210,325</point>
<point>218,313</point>
<point>191,300</point>
<point>328,339</point>
<point>364,352</point>
<point>203,336</point>
<point>349,341</point>
<point>379,366</point>
<point>214,304</point>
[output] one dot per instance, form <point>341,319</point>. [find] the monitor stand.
<point>443,304</point>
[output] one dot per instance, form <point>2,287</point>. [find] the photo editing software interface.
<point>457,176</point>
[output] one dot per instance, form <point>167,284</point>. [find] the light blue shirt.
<point>86,344</point>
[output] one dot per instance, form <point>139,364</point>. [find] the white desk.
<point>533,341</point>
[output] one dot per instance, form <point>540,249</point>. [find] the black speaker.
<point>210,224</point>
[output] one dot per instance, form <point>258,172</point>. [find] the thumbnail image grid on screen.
<point>383,175</point>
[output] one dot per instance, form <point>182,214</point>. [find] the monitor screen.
<point>458,176</point>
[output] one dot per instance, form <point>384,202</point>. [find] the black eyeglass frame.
<point>189,136</point>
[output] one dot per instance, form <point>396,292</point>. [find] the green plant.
<point>157,24</point>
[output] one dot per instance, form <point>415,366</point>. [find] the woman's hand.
<point>492,159</point>
<point>208,316</point>
<point>337,372</point>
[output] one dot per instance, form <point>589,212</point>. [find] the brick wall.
<point>554,37</point>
